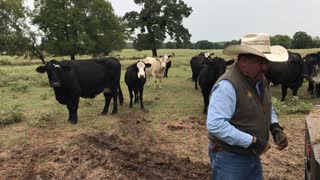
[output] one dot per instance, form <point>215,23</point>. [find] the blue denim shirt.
<point>220,110</point>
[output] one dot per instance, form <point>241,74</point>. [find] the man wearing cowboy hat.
<point>240,113</point>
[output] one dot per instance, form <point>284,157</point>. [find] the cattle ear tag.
<point>249,94</point>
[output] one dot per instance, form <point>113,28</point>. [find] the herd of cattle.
<point>88,78</point>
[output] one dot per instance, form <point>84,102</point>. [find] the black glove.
<point>279,137</point>
<point>259,146</point>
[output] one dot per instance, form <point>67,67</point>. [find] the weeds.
<point>10,114</point>
<point>20,86</point>
<point>41,120</point>
<point>292,106</point>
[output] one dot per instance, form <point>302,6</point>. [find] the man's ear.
<point>148,65</point>
<point>41,69</point>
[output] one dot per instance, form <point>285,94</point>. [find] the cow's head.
<point>310,61</point>
<point>54,70</point>
<point>163,61</point>
<point>218,65</point>
<point>141,69</point>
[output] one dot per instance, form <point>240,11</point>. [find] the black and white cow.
<point>84,78</point>
<point>196,64</point>
<point>135,78</point>
<point>312,72</point>
<point>289,74</point>
<point>209,74</point>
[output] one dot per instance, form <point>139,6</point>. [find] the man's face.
<point>255,67</point>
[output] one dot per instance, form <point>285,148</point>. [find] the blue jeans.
<point>233,166</point>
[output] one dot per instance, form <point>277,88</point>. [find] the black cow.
<point>209,74</point>
<point>289,74</point>
<point>311,72</point>
<point>168,65</point>
<point>196,64</point>
<point>135,78</point>
<point>84,78</point>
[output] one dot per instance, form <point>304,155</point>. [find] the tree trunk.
<point>36,52</point>
<point>73,57</point>
<point>154,52</point>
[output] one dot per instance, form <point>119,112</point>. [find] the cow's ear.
<point>161,56</point>
<point>41,69</point>
<point>169,56</point>
<point>211,53</point>
<point>66,68</point>
<point>148,65</point>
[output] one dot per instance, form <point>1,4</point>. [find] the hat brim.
<point>277,54</point>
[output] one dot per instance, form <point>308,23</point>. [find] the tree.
<point>301,40</point>
<point>12,37</point>
<point>204,44</point>
<point>316,42</point>
<point>156,19</point>
<point>81,27</point>
<point>282,40</point>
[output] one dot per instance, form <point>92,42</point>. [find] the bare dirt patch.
<point>133,152</point>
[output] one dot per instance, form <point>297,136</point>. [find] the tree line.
<point>81,27</point>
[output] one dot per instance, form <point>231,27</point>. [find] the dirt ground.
<point>55,153</point>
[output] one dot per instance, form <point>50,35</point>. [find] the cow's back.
<point>93,75</point>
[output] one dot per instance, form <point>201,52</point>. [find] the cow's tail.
<point>120,95</point>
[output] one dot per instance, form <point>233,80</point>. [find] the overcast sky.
<point>225,20</point>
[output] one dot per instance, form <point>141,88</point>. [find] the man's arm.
<point>220,110</point>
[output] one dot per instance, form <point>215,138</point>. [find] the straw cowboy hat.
<point>258,44</point>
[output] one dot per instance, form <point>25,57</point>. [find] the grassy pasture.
<point>173,121</point>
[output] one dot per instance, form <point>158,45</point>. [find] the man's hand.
<point>259,146</point>
<point>279,137</point>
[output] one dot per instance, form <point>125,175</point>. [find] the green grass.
<point>176,101</point>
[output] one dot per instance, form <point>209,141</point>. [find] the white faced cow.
<point>157,69</point>
<point>135,79</point>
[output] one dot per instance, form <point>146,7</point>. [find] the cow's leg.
<point>284,92</point>
<point>131,96</point>
<point>154,80</point>
<point>205,94</point>
<point>311,88</point>
<point>148,80</point>
<point>73,110</point>
<point>115,100</point>
<point>196,83</point>
<point>317,90</point>
<point>120,95</point>
<point>141,97</point>
<point>136,96</point>
<point>107,99</point>
<point>295,92</point>
<point>160,80</point>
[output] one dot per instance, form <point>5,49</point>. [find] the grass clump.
<point>10,114</point>
<point>20,86</point>
<point>41,120</point>
<point>291,107</point>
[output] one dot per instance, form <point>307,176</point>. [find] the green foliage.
<point>155,20</point>
<point>292,106</point>
<point>204,45</point>
<point>12,24</point>
<point>41,120</point>
<point>10,113</point>
<point>301,40</point>
<point>282,40</point>
<point>20,86</point>
<point>73,27</point>
<point>316,42</point>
